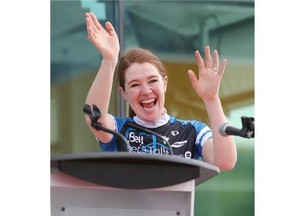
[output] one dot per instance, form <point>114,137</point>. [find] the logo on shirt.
<point>147,143</point>
<point>133,138</point>
<point>188,155</point>
<point>179,144</point>
<point>174,133</point>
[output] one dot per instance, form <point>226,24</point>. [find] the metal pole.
<point>121,103</point>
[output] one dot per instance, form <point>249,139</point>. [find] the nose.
<point>146,89</point>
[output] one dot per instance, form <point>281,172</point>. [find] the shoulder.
<point>185,122</point>
<point>200,127</point>
<point>119,122</point>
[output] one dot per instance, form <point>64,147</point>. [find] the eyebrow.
<point>150,77</point>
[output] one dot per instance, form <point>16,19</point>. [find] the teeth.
<point>148,101</point>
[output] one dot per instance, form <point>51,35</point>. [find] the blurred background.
<point>173,30</point>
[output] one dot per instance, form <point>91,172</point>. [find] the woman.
<point>143,83</point>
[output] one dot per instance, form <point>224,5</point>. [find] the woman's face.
<point>145,90</point>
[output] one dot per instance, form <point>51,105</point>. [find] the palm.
<point>207,86</point>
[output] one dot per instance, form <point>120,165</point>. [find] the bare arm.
<point>221,151</point>
<point>107,43</point>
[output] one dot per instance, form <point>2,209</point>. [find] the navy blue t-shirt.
<point>185,137</point>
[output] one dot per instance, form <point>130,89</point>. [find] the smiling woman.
<point>143,83</point>
<point>173,32</point>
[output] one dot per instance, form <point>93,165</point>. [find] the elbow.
<point>227,165</point>
<point>87,120</point>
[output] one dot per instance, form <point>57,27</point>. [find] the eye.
<point>134,85</point>
<point>153,81</point>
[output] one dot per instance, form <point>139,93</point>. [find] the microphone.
<point>227,130</point>
<point>247,131</point>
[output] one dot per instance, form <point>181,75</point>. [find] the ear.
<point>165,80</point>
<point>123,93</point>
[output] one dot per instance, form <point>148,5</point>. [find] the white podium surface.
<point>73,195</point>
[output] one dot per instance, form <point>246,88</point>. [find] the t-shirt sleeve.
<point>112,146</point>
<point>203,133</point>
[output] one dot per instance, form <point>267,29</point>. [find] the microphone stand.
<point>94,114</point>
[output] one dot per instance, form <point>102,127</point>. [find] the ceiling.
<point>171,26</point>
<point>171,29</point>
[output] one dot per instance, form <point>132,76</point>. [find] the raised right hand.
<point>105,40</point>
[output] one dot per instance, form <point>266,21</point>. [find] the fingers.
<point>199,60</point>
<point>208,60</point>
<point>97,34</point>
<point>92,24</point>
<point>110,29</point>
<point>193,78</point>
<point>89,26</point>
<point>222,67</point>
<point>209,63</point>
<point>89,29</point>
<point>94,21</point>
<point>215,60</point>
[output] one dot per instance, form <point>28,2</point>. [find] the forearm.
<point>224,148</point>
<point>99,95</point>
<point>100,90</point>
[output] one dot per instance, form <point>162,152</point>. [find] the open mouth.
<point>150,103</point>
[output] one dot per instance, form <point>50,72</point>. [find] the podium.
<point>125,184</point>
